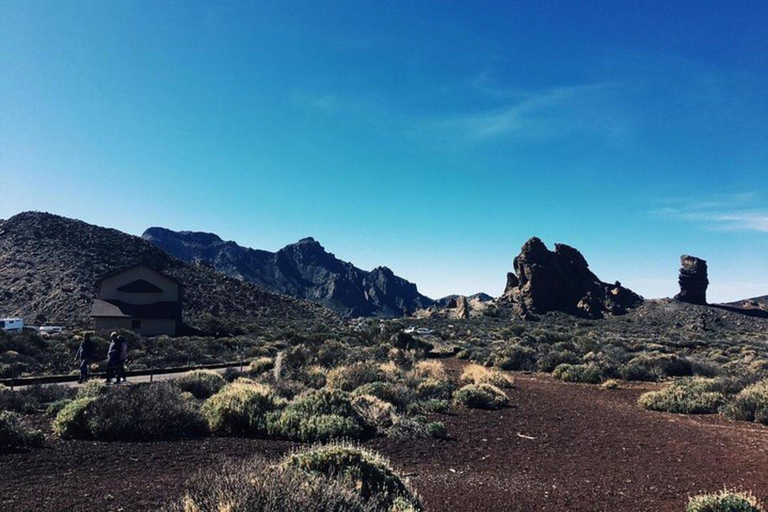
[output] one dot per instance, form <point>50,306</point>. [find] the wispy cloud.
<point>734,212</point>
<point>540,114</point>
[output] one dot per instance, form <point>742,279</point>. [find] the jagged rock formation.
<point>303,270</point>
<point>449,301</point>
<point>462,307</point>
<point>50,267</point>
<point>560,280</point>
<point>693,280</point>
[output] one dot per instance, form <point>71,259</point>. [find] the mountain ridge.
<point>50,267</point>
<point>303,269</point>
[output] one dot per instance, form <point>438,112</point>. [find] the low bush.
<point>397,394</point>
<point>261,365</point>
<point>256,486</point>
<point>515,357</point>
<point>750,404</point>
<point>435,389</point>
<point>361,469</point>
<point>243,408</point>
<point>481,396</point>
<point>415,428</point>
<point>693,396</point>
<point>585,373</point>
<point>430,370</point>
<point>201,383</point>
<point>320,415</point>
<point>375,413</point>
<point>611,384</point>
<point>140,412</point>
<point>349,378</point>
<point>14,435</point>
<point>724,501</point>
<point>432,405</point>
<point>33,398</point>
<point>655,366</point>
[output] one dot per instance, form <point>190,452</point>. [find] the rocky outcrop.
<point>50,267</point>
<point>693,280</point>
<point>303,270</point>
<point>462,308</point>
<point>560,280</point>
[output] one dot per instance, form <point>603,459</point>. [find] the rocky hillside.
<point>304,270</point>
<point>50,267</point>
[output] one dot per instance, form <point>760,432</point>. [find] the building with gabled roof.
<point>141,299</point>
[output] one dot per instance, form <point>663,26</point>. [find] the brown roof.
<point>119,309</point>
<point>125,269</point>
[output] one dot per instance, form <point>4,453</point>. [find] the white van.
<point>50,329</point>
<point>11,324</point>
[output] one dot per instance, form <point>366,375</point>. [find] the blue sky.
<point>431,137</point>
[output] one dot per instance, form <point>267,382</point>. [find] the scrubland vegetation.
<point>337,477</point>
<point>725,501</point>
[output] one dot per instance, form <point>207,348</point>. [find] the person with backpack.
<point>85,355</point>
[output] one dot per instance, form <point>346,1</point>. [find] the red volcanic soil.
<point>561,447</point>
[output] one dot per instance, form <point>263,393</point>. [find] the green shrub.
<point>92,389</point>
<point>724,501</point>
<point>241,408</point>
<point>72,421</point>
<point>14,435</point>
<point>515,357</point>
<point>201,383</point>
<point>434,388</point>
<point>256,486</point>
<point>655,366</point>
<point>554,358</point>
<point>349,378</point>
<point>415,428</point>
<point>54,408</point>
<point>320,415</point>
<point>361,469</point>
<point>586,373</point>
<point>481,396</point>
<point>140,412</point>
<point>432,405</point>
<point>750,404</point>
<point>693,396</point>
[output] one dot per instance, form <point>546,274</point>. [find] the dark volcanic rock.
<point>560,280</point>
<point>304,270</point>
<point>693,280</point>
<point>50,267</point>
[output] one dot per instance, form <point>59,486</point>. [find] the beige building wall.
<point>149,326</point>
<point>110,285</point>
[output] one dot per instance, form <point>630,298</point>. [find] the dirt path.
<point>592,450</point>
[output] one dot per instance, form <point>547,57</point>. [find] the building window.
<point>135,324</point>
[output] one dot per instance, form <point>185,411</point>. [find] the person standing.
<point>85,355</point>
<point>113,357</point>
<point>123,359</point>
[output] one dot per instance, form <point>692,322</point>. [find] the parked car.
<point>424,330</point>
<point>50,329</point>
<point>11,324</point>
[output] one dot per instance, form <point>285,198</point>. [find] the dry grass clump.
<point>375,413</point>
<point>241,408</point>
<point>611,384</point>
<point>430,370</point>
<point>261,365</point>
<point>481,396</point>
<point>477,374</point>
<point>725,501</point>
<point>351,377</point>
<point>750,404</point>
<point>691,396</point>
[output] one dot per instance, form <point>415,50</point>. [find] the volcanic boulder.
<point>560,280</point>
<point>462,307</point>
<point>693,280</point>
